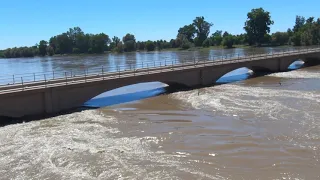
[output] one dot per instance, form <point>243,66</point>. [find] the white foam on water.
<point>83,145</point>
<point>236,100</point>
<point>299,109</point>
<point>300,74</point>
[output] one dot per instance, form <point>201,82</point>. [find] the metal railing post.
<point>13,82</point>
<point>85,75</point>
<point>102,73</point>
<point>21,80</point>
<point>65,75</point>
<point>45,80</point>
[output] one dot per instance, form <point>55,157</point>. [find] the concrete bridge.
<point>54,95</point>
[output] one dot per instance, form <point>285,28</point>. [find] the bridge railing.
<point>18,80</point>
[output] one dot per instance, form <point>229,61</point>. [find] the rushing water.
<point>266,127</point>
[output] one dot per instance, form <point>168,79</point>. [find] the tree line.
<point>197,34</point>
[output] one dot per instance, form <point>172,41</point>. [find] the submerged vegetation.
<point>197,34</point>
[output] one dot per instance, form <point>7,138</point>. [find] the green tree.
<point>82,43</point>
<point>296,39</point>
<point>258,25</point>
<point>64,43</point>
<point>120,47</point>
<point>300,21</point>
<point>187,31</point>
<point>74,34</point>
<point>141,45</point>
<point>228,41</point>
<point>43,47</point>
<point>185,44</point>
<point>116,40</point>
<point>280,38</point>
<point>225,34</point>
<point>173,43</point>
<point>129,42</point>
<point>150,46</point>
<point>207,42</point>
<point>289,32</point>
<point>202,29</point>
<point>306,32</point>
<point>216,38</point>
<point>98,42</point>
<point>50,51</point>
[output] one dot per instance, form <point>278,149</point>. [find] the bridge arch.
<point>131,92</point>
<point>308,61</point>
<point>215,76</point>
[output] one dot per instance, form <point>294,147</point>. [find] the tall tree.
<point>202,29</point>
<point>150,46</point>
<point>300,21</point>
<point>129,42</point>
<point>43,47</point>
<point>188,31</point>
<point>228,41</point>
<point>73,34</point>
<point>258,25</point>
<point>98,42</point>
<point>280,38</point>
<point>216,38</point>
<point>116,40</point>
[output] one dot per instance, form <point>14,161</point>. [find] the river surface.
<point>266,127</point>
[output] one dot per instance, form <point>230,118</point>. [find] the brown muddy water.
<point>266,127</point>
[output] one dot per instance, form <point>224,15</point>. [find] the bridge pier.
<point>48,104</point>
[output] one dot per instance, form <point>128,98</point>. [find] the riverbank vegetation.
<point>193,36</point>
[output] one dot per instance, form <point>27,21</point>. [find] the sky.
<point>26,22</point>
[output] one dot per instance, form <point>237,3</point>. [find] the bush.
<point>206,43</point>
<point>186,44</point>
<point>50,51</point>
<point>228,41</point>
<point>119,48</point>
<point>90,51</point>
<point>75,50</point>
<point>57,51</point>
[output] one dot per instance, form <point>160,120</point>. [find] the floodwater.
<point>266,127</point>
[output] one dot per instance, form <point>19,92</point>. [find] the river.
<point>266,127</point>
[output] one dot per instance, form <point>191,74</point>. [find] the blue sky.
<point>26,22</point>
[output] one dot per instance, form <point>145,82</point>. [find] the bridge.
<point>55,92</point>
